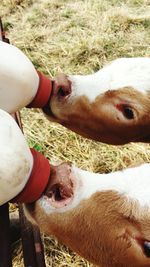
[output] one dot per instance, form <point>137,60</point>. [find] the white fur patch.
<point>133,72</point>
<point>134,183</point>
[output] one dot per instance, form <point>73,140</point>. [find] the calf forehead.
<point>123,72</point>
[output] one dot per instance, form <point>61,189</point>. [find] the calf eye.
<point>126,110</point>
<point>147,248</point>
<point>128,113</point>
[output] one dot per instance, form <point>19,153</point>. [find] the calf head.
<point>103,217</point>
<point>111,105</point>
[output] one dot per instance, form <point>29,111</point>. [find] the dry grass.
<point>76,36</point>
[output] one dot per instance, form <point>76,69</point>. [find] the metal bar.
<point>38,247</point>
<point>1,30</point>
<point>2,33</point>
<point>27,241</point>
<point>31,241</point>
<point>5,250</point>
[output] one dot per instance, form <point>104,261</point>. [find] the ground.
<point>76,36</point>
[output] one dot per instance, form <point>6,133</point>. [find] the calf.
<point>111,105</point>
<point>103,217</point>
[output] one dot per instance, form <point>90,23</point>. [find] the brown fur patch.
<point>102,229</point>
<point>100,120</point>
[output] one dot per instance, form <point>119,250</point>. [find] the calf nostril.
<point>62,86</point>
<point>63,92</point>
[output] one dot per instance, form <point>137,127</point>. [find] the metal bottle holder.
<point>33,253</point>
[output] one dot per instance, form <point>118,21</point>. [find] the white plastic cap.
<point>16,160</point>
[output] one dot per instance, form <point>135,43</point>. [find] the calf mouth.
<point>60,189</point>
<point>61,92</point>
<point>47,108</point>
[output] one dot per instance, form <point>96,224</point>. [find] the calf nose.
<point>60,185</point>
<point>62,171</point>
<point>61,86</point>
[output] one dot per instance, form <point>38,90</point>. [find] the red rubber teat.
<point>37,181</point>
<point>43,93</point>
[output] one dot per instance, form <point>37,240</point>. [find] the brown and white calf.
<point>111,105</point>
<point>103,217</point>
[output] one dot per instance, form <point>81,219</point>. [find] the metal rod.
<point>38,247</point>
<point>5,250</point>
<point>2,33</point>
<point>27,240</point>
<point>1,30</point>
